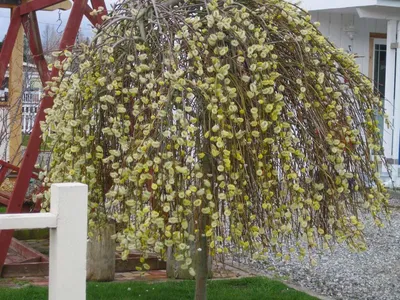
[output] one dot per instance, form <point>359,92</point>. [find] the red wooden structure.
<point>24,14</point>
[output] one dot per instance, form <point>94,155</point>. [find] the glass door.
<point>379,72</point>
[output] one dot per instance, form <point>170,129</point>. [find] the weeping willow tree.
<point>223,126</point>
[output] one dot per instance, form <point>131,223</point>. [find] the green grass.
<point>3,209</point>
<point>25,140</point>
<point>256,288</point>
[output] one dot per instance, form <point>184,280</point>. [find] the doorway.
<point>378,49</point>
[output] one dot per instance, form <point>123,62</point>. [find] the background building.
<point>371,30</point>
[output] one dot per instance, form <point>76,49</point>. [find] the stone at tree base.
<point>101,254</point>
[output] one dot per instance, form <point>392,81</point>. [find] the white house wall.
<point>318,5</point>
<point>333,27</point>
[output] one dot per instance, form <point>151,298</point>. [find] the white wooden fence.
<point>30,105</point>
<point>67,221</point>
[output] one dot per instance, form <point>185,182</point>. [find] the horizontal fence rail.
<point>67,221</point>
<point>28,221</point>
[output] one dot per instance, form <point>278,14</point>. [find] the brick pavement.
<point>219,272</point>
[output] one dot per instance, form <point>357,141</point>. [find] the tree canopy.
<point>238,116</point>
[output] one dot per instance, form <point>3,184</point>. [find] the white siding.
<point>333,27</point>
<point>317,5</point>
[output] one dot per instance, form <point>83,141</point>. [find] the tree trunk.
<point>174,270</point>
<point>101,254</point>
<point>202,261</point>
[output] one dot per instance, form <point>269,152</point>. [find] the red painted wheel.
<point>25,15</point>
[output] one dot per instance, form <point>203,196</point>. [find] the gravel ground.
<point>371,275</point>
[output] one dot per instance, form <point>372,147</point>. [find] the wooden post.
<point>15,87</point>
<point>68,242</point>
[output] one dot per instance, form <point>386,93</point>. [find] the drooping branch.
<point>286,121</point>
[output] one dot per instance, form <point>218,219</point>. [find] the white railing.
<point>32,97</point>
<point>67,221</point>
<point>30,105</point>
<point>29,112</point>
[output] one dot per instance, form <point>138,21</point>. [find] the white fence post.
<point>67,274</point>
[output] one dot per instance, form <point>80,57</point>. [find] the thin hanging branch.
<point>286,121</point>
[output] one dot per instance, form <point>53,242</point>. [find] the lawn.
<point>25,140</point>
<point>256,288</point>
